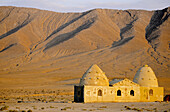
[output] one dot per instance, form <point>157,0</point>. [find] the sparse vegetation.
<point>29,110</point>
<point>43,95</point>
<point>34,108</point>
<point>17,107</point>
<point>100,109</point>
<point>136,109</point>
<point>51,107</point>
<point>42,108</point>
<point>63,109</point>
<point>92,109</point>
<point>28,94</point>
<point>129,108</point>
<point>103,107</point>
<point>66,108</point>
<point>4,108</point>
<point>12,111</point>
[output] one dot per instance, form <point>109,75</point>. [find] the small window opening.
<point>119,93</point>
<point>132,93</point>
<point>150,92</point>
<point>100,93</point>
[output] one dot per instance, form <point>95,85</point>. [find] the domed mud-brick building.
<point>94,86</point>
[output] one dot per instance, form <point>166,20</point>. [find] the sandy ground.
<point>55,100</point>
<point>95,107</point>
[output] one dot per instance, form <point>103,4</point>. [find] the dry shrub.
<point>103,107</point>
<point>4,108</point>
<point>29,110</point>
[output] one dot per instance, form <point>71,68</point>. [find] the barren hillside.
<point>45,49</point>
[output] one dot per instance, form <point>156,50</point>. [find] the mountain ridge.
<point>57,46</point>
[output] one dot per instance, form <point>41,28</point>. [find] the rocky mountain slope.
<point>42,48</point>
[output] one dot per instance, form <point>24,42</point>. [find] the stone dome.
<point>146,77</point>
<point>94,76</point>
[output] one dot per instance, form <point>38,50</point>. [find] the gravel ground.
<point>95,107</point>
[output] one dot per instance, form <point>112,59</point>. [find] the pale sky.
<point>84,5</point>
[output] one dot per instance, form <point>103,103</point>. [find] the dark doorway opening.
<point>167,98</point>
<point>78,93</point>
